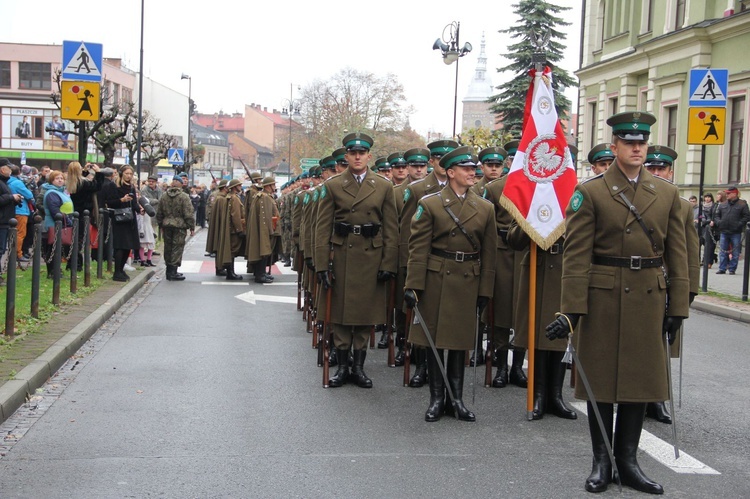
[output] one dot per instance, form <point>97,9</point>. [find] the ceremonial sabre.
<point>682,338</point>
<point>570,353</point>
<point>671,397</point>
<point>476,360</point>
<point>438,358</point>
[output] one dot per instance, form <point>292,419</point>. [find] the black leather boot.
<point>383,343</point>
<point>601,467</point>
<point>358,372</point>
<point>420,373</point>
<point>541,363</point>
<point>221,272</point>
<point>398,360</point>
<point>501,378</point>
<point>659,412</point>
<point>627,435</point>
<point>517,376</point>
<point>437,388</point>
<point>333,358</point>
<point>173,275</point>
<point>455,371</point>
<point>555,403</point>
<point>231,276</point>
<point>342,373</point>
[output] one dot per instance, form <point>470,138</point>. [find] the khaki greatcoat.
<point>231,229</point>
<point>357,297</point>
<point>619,338</point>
<point>448,289</point>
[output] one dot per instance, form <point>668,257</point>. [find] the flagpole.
<point>532,331</point>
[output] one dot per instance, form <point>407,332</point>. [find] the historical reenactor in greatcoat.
<point>263,230</point>
<point>450,276</point>
<point>215,221</point>
<point>622,229</point>
<point>660,162</point>
<point>357,235</point>
<point>175,216</point>
<point>432,183</point>
<point>231,230</point>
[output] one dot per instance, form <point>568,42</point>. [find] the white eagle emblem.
<point>545,157</point>
<point>544,161</point>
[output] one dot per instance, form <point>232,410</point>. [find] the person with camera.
<point>82,184</point>
<point>56,200</point>
<point>120,198</point>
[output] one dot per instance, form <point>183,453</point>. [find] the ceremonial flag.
<point>542,177</point>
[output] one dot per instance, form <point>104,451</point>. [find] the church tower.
<point>476,110</point>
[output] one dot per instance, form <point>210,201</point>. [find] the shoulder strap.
<point>460,225</point>
<point>635,212</point>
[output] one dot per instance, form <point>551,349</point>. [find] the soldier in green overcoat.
<point>450,274</point>
<point>357,225</point>
<point>615,281</point>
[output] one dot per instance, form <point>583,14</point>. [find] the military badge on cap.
<point>632,125</point>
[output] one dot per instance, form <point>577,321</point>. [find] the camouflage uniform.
<point>175,215</point>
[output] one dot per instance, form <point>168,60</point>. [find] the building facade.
<point>476,110</point>
<point>639,55</point>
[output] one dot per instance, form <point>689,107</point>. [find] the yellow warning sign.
<point>80,100</point>
<point>706,125</point>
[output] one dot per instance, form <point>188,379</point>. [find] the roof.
<point>221,122</point>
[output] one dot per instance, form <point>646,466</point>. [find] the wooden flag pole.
<point>532,331</point>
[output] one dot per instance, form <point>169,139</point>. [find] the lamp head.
<point>184,77</point>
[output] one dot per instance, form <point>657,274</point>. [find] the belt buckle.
<point>635,263</point>
<point>356,230</point>
<point>460,256</point>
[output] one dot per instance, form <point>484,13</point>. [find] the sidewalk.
<point>729,285</point>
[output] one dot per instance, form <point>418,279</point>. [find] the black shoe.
<point>721,272</point>
<point>555,403</point>
<point>221,273</point>
<point>627,435</point>
<point>120,277</point>
<point>517,376</point>
<point>601,467</point>
<point>420,373</point>
<point>269,276</point>
<point>455,370</point>
<point>358,375</point>
<point>231,276</point>
<point>731,272</point>
<point>342,373</point>
<point>659,412</point>
<point>501,378</point>
<point>156,253</point>
<point>437,388</point>
<point>263,280</point>
<point>383,343</point>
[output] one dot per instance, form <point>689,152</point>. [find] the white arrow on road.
<point>252,298</point>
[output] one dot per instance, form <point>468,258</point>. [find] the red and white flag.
<point>542,177</point>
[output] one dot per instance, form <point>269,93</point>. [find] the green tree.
<point>538,18</point>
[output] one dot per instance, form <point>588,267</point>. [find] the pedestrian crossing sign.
<point>708,87</point>
<point>706,125</point>
<point>79,100</point>
<point>82,61</point>
<point>176,156</point>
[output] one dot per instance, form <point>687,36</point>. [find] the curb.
<point>14,393</point>
<point>721,310</point>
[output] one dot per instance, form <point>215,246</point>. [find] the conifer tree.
<point>536,18</point>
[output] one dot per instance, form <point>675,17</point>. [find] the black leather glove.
<point>559,328</point>
<point>692,297</point>
<point>410,298</point>
<point>385,276</point>
<point>309,263</point>
<point>482,302</point>
<point>324,279</point>
<point>672,327</point>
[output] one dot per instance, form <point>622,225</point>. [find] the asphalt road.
<point>190,391</point>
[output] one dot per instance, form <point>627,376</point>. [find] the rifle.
<point>490,343</point>
<point>312,315</point>
<point>390,320</point>
<point>247,170</point>
<point>298,260</point>
<point>327,325</point>
<point>212,174</point>
<point>407,348</point>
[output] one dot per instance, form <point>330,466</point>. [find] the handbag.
<point>66,236</point>
<point>94,236</point>
<point>122,215</point>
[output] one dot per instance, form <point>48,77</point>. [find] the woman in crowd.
<point>708,234</point>
<point>82,189</point>
<point>121,195</point>
<point>56,200</point>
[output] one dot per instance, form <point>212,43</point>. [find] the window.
<point>736,137</point>
<point>115,93</point>
<point>649,7</point>
<point>672,127</point>
<point>35,75</point>
<point>127,95</point>
<point>4,74</point>
<point>593,120</point>
<point>679,14</point>
<point>613,106</point>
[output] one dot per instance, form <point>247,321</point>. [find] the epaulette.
<point>665,180</point>
<point>592,178</point>
<point>416,181</point>
<point>430,195</point>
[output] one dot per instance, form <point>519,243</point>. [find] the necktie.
<point>633,184</point>
<point>359,179</point>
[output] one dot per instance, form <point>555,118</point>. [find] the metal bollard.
<point>73,260</point>
<point>10,296</point>
<point>103,221</point>
<point>57,260</point>
<point>86,248</point>
<point>36,266</point>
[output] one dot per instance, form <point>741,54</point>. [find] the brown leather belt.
<point>632,262</point>
<point>458,256</point>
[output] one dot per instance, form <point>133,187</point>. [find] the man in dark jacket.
<point>731,219</point>
<point>8,202</point>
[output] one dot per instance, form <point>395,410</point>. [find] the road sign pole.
<point>82,142</point>
<point>707,259</point>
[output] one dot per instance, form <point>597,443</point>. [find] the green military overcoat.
<point>357,297</point>
<point>213,225</point>
<point>619,338</point>
<point>231,230</point>
<point>448,289</point>
<point>262,235</point>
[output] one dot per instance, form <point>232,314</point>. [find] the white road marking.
<point>281,284</point>
<point>664,452</point>
<point>224,283</point>
<point>252,298</point>
<point>190,266</point>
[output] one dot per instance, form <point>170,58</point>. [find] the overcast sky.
<point>240,52</point>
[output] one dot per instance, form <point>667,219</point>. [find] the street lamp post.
<point>450,52</point>
<point>291,110</point>
<point>190,112</point>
